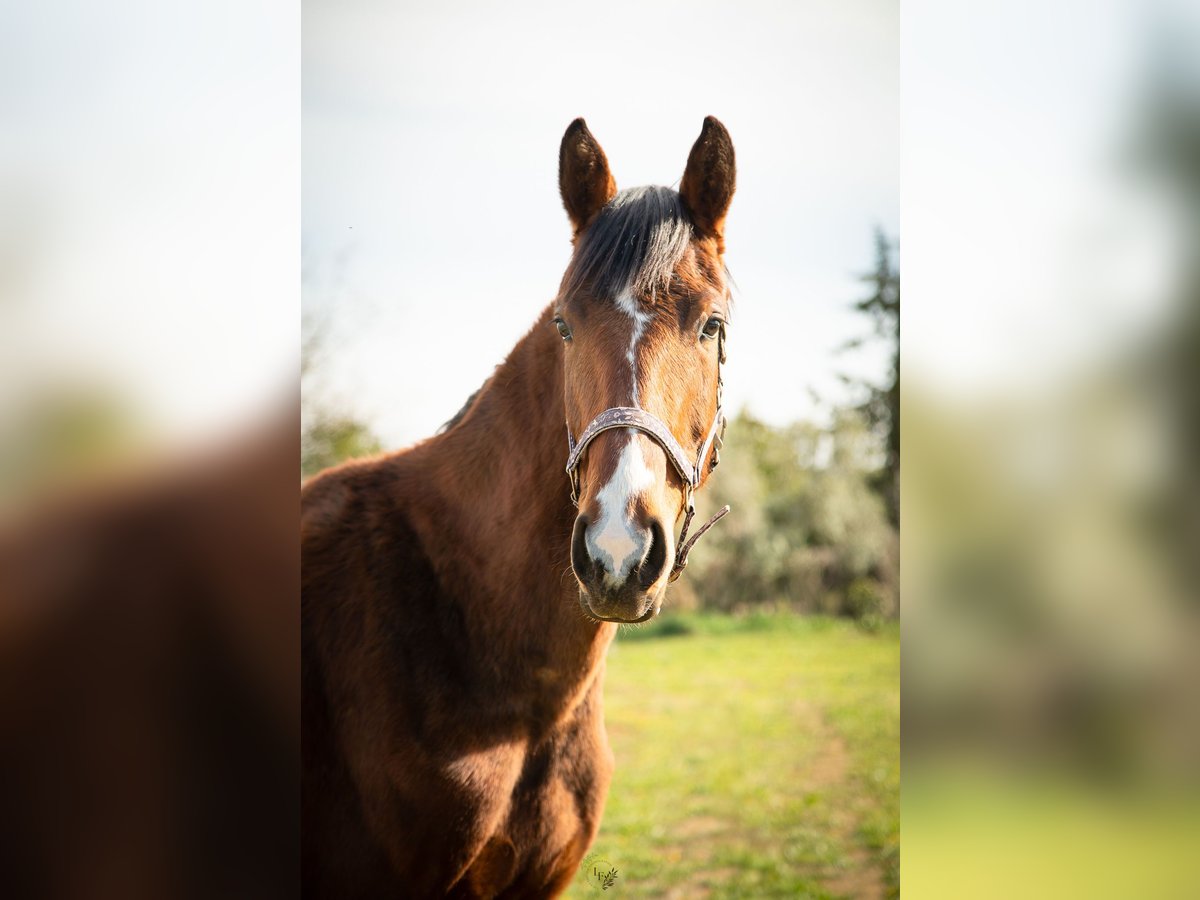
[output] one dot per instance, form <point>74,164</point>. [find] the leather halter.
<point>691,472</point>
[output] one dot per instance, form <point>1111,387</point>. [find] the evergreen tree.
<point>882,406</point>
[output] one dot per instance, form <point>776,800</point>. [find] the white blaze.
<point>628,305</point>
<point>615,541</point>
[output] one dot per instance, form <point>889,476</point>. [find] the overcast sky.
<point>433,233</point>
<point>148,201</point>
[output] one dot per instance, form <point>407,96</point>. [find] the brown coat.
<point>452,715</point>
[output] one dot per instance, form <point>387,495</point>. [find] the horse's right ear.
<point>584,181</point>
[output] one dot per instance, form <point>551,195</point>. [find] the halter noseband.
<point>691,472</point>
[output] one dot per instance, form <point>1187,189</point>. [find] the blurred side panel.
<point>1051,630</point>
<point>149,331</point>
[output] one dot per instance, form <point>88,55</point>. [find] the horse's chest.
<point>541,827</point>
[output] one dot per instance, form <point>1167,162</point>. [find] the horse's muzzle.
<point>616,592</point>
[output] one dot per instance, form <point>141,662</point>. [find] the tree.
<point>328,434</point>
<point>328,440</point>
<point>882,406</point>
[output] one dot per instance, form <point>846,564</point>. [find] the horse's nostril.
<point>581,561</point>
<point>652,566</point>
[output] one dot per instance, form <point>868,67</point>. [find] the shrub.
<point>804,525</point>
<point>866,603</point>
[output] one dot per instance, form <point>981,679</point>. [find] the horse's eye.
<point>711,328</point>
<point>563,329</point>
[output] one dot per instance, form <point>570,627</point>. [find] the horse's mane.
<point>466,407</point>
<point>635,243</point>
<point>461,414</point>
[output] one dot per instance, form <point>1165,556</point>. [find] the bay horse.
<point>452,669</point>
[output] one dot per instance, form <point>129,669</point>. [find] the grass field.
<point>756,757</point>
<point>989,833</point>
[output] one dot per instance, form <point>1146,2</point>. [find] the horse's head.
<point>642,312</point>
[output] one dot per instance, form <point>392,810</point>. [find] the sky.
<point>168,172</point>
<point>433,234</point>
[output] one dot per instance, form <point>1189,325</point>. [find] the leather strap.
<point>691,472</point>
<point>685,544</point>
<point>633,417</point>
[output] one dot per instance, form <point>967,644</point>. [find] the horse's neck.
<point>502,466</point>
<point>504,512</point>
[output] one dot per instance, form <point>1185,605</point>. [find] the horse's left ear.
<point>709,180</point>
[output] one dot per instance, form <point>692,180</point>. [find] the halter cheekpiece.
<point>692,472</point>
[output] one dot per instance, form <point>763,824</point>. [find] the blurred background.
<point>765,762</point>
<point>149,334</point>
<point>1051,721</point>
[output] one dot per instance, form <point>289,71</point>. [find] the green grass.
<point>975,829</point>
<point>756,757</point>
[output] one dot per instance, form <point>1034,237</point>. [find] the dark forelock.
<point>636,241</point>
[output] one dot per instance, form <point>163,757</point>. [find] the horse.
<point>459,597</point>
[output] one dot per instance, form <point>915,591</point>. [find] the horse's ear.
<point>584,181</point>
<point>709,180</point>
